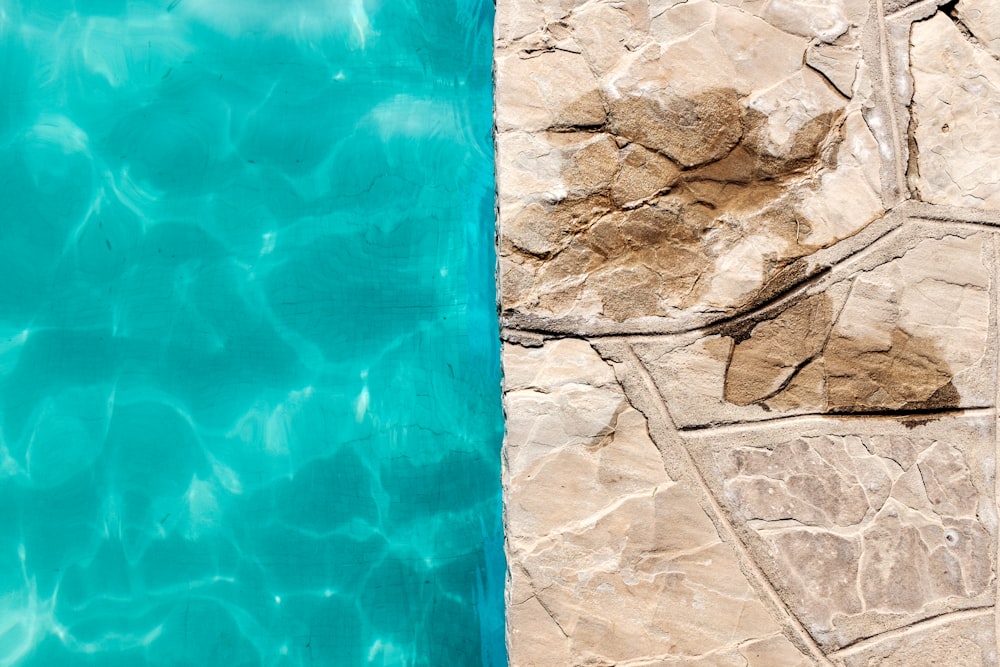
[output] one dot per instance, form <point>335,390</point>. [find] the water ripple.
<point>249,407</point>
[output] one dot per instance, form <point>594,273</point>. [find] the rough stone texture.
<point>611,560</point>
<point>982,19</point>
<point>906,332</point>
<point>961,639</point>
<point>673,161</point>
<point>748,266</point>
<point>956,108</point>
<point>867,526</point>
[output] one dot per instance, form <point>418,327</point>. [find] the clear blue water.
<point>249,386</point>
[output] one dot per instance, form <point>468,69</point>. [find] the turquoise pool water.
<point>249,385</point>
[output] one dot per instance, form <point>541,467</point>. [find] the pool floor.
<point>249,377</point>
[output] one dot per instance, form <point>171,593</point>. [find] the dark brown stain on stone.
<point>784,280</point>
<point>690,130</point>
<point>799,358</point>
<point>693,179</point>
<point>906,373</point>
<point>762,365</point>
<point>799,154</point>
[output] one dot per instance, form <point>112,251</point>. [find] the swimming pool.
<point>249,377</point>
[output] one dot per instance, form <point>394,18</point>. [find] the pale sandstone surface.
<point>956,114</point>
<point>611,560</point>
<point>675,160</point>
<point>787,454</point>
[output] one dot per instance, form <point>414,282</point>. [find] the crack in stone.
<point>908,378</point>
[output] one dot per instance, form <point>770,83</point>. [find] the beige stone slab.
<point>982,19</point>
<point>907,329</point>
<point>863,525</point>
<point>956,115</point>
<point>777,220</point>
<point>961,638</point>
<point>611,562</point>
<point>917,9</point>
<point>711,148</point>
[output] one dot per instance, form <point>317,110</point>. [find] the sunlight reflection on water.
<point>249,385</point>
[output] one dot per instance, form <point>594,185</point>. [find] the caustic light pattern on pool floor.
<point>249,388</point>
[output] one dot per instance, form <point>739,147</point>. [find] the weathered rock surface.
<point>909,333</point>
<point>864,528</point>
<point>611,560</point>
<point>969,640</point>
<point>982,19</point>
<point>787,454</point>
<point>956,110</point>
<point>679,169</point>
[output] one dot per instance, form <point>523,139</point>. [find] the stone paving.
<point>748,262</point>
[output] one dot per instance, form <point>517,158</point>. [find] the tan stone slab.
<point>963,638</point>
<point>611,562</point>
<point>714,190</point>
<point>684,170</point>
<point>956,112</point>
<point>862,525</point>
<point>905,327</point>
<point>982,19</point>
